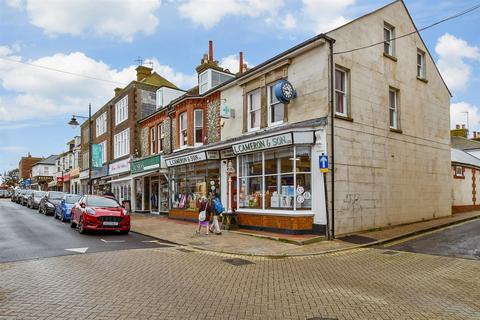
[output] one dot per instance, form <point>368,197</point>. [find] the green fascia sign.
<point>147,164</point>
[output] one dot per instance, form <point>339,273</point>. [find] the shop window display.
<point>278,179</point>
<point>192,182</point>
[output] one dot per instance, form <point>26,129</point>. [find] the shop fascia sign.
<point>119,166</point>
<point>194,157</point>
<point>265,143</point>
<point>84,174</point>
<point>147,164</point>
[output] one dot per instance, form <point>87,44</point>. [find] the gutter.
<point>332,115</point>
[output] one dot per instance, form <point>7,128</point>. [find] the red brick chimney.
<point>210,51</point>
<point>240,67</point>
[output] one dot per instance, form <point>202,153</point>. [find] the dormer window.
<point>211,78</point>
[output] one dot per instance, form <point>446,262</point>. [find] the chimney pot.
<point>240,67</point>
<point>457,126</point>
<point>210,51</point>
<point>463,126</point>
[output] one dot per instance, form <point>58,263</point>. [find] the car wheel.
<point>62,217</point>
<point>72,224</point>
<point>39,209</point>
<point>80,227</point>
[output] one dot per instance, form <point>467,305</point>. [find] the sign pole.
<point>327,229</point>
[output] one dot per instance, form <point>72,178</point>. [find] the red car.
<point>99,213</point>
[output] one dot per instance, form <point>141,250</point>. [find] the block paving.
<point>168,283</point>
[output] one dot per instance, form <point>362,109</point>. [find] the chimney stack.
<point>240,67</point>
<point>143,72</point>
<point>210,51</point>
<point>474,134</point>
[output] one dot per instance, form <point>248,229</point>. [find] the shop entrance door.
<point>154,196</point>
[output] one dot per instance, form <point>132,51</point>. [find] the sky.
<point>102,39</point>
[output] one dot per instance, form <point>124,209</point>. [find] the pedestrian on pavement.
<point>217,210</point>
<point>204,215</point>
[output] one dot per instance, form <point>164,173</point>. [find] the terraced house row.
<point>259,137</point>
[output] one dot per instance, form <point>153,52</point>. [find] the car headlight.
<point>90,211</point>
<point>125,212</point>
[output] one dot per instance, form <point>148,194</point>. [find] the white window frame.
<point>153,140</point>
<point>391,43</point>
<point>271,105</point>
<point>203,84</point>
<point>160,138</point>
<point>121,110</point>
<point>122,143</point>
<point>458,174</point>
<point>345,93</point>
<point>421,66</point>
<point>196,125</point>
<point>259,110</point>
<point>395,109</point>
<point>183,141</point>
<point>101,124</point>
<point>104,151</point>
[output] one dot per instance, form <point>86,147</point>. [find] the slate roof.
<point>461,157</point>
<point>49,160</point>
<point>464,143</point>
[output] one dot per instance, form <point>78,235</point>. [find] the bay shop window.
<point>276,179</point>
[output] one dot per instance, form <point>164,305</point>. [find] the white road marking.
<point>78,250</point>
<point>108,241</point>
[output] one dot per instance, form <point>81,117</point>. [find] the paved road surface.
<point>462,241</point>
<point>27,234</point>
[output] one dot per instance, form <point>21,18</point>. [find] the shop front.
<point>150,185</point>
<point>121,182</point>
<point>275,183</point>
<point>66,183</point>
<point>75,181</point>
<point>192,177</point>
<point>41,182</point>
<point>99,179</point>
<point>84,176</point>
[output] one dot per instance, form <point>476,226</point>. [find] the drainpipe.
<point>332,115</point>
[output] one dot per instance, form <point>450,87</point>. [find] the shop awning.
<point>132,176</point>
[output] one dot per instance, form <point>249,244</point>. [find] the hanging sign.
<point>284,91</point>
<point>96,155</point>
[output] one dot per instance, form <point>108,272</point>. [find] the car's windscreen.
<point>55,195</point>
<point>72,199</point>
<point>102,202</point>
<point>39,194</point>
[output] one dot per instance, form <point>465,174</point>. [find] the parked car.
<point>64,209</point>
<point>24,197</point>
<point>50,201</point>
<point>35,198</point>
<point>3,193</point>
<point>99,213</point>
<point>18,198</point>
<point>15,195</point>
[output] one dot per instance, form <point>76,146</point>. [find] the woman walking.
<point>204,215</point>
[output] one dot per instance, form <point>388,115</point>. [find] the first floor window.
<point>276,109</point>
<point>393,108</point>
<point>278,179</point>
<point>341,87</point>
<point>198,127</point>
<point>183,129</point>
<point>121,110</point>
<point>122,143</point>
<point>152,140</point>
<point>161,138</point>
<point>253,107</point>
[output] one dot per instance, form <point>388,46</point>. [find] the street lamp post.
<point>230,171</point>
<point>74,123</point>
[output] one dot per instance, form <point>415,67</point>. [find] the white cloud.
<point>458,115</point>
<point>35,93</point>
<point>452,53</point>
<point>12,149</point>
<point>289,22</point>
<point>324,15</point>
<point>116,19</point>
<point>180,79</point>
<point>207,13</point>
<point>232,63</point>
<point>17,4</point>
